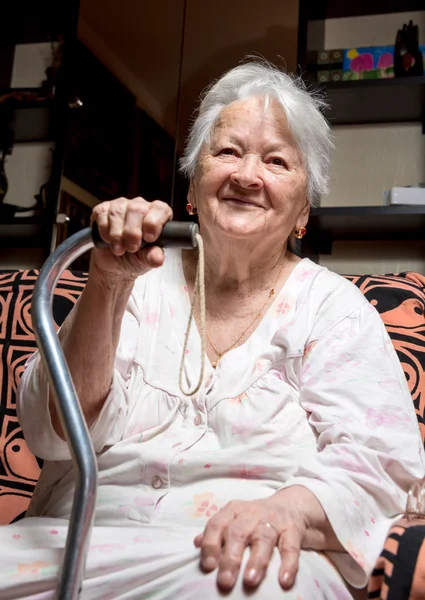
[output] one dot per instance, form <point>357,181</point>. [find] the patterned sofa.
<point>400,300</point>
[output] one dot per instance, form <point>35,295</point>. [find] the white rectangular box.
<point>406,195</point>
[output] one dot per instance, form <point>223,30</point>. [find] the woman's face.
<point>250,182</point>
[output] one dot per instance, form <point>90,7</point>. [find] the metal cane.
<point>71,573</point>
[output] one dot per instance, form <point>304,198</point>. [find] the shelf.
<point>335,9</point>
<point>401,99</point>
<point>23,232</point>
<point>31,120</point>
<point>26,90</point>
<point>365,223</point>
<point>33,124</point>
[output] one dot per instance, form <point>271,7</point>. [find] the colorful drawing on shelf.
<point>369,63</point>
<point>375,62</point>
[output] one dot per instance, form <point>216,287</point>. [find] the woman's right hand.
<point>124,224</point>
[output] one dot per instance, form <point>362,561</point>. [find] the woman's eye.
<point>227,151</point>
<point>277,161</point>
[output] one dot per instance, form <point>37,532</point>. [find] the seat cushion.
<point>19,469</point>
<point>400,300</point>
<point>400,569</point>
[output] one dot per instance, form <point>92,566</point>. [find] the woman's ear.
<point>191,194</point>
<point>304,215</point>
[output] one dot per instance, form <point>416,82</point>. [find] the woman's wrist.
<point>109,282</point>
<point>318,532</point>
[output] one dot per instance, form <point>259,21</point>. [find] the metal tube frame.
<point>72,418</point>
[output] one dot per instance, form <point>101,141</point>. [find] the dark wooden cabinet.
<point>101,140</point>
<point>35,114</point>
<point>99,129</point>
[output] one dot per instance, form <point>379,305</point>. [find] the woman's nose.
<point>248,173</point>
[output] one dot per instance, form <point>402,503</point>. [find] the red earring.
<point>192,210</point>
<point>300,233</point>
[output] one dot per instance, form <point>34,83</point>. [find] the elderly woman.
<point>281,476</point>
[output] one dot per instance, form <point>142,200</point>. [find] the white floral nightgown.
<point>315,397</point>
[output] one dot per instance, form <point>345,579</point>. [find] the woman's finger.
<point>263,541</point>
<point>116,216</point>
<point>156,217</point>
<point>289,545</point>
<point>132,230</point>
<point>236,539</point>
<point>100,215</point>
<point>152,255</point>
<point>213,537</point>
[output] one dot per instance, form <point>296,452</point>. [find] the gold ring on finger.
<point>270,526</point>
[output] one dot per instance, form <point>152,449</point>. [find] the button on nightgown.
<point>315,397</point>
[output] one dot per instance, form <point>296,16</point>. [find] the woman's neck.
<point>240,267</point>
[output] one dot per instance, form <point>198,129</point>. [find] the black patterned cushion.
<point>19,469</point>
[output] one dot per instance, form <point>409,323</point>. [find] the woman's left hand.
<point>260,524</point>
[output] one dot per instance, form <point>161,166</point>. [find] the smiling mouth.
<point>241,202</point>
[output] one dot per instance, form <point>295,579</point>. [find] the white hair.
<point>302,108</point>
